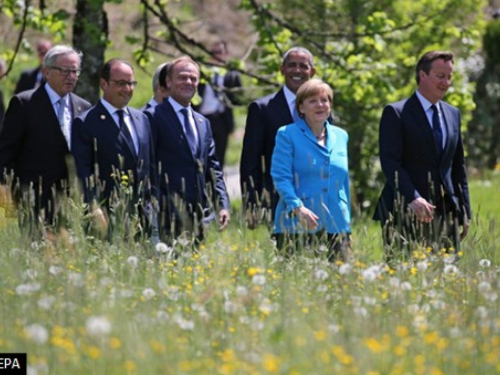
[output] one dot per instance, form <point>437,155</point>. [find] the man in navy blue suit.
<point>191,180</point>
<point>35,139</point>
<point>426,196</point>
<point>112,147</point>
<point>265,116</point>
<point>32,78</point>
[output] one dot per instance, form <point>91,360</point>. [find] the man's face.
<point>63,75</point>
<point>42,48</point>
<point>118,90</point>
<point>184,82</point>
<point>297,70</point>
<point>433,86</point>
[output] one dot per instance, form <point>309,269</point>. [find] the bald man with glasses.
<point>35,139</point>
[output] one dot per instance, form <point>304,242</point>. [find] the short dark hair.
<point>298,50</point>
<point>425,62</point>
<point>106,68</point>
<point>162,77</point>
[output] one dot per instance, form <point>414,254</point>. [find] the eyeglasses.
<point>66,72</point>
<point>121,83</point>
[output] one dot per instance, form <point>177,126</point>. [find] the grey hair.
<point>299,50</point>
<point>59,50</point>
<point>156,76</point>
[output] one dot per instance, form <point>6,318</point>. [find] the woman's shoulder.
<point>337,130</point>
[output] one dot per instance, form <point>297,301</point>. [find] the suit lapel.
<point>422,123</point>
<point>76,108</point>
<point>202,130</point>
<point>174,122</point>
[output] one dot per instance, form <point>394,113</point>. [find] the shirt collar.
<point>425,103</point>
<point>177,107</point>
<point>289,95</point>
<point>54,96</point>
<point>112,109</point>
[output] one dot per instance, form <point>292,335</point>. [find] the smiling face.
<point>183,82</point>
<point>297,69</point>
<point>316,108</point>
<point>59,81</point>
<point>434,85</point>
<point>119,88</point>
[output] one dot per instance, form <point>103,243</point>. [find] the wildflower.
<point>369,274</point>
<point>450,269</point>
<point>37,333</point>
<point>133,261</point>
<point>46,302</point>
<point>422,266</point>
<point>98,326</point>
<point>482,312</point>
<point>321,275</point>
<point>230,307</point>
<point>405,285</point>
<point>241,291</point>
<point>163,248</point>
<point>55,270</point>
<point>484,287</point>
<point>485,263</point>
<point>259,279</point>
<point>345,269</point>
<point>148,293</point>
<point>30,274</point>
<point>75,279</point>
<point>186,325</point>
<point>26,289</point>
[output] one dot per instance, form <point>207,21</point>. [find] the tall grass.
<point>78,305</point>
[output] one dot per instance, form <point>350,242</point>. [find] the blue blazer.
<point>410,162</point>
<point>181,175</point>
<point>308,174</point>
<point>99,148</point>
<point>265,116</point>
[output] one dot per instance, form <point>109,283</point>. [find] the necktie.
<point>61,117</point>
<point>436,129</point>
<point>189,131</point>
<point>124,129</point>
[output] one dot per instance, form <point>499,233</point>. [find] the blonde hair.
<point>310,88</point>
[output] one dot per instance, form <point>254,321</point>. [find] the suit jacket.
<point>410,162</point>
<point>32,144</point>
<point>229,98</point>
<point>181,175</point>
<point>101,150</point>
<point>2,108</point>
<point>308,174</point>
<point>265,116</point>
<point>27,80</point>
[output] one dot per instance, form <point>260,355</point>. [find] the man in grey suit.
<point>34,140</point>
<point>265,116</point>
<point>426,195</point>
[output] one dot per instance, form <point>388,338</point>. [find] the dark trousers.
<point>334,246</point>
<point>220,133</point>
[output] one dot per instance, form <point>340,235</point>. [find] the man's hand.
<point>307,217</point>
<point>424,211</point>
<point>224,219</point>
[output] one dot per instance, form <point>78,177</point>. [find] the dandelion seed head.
<point>484,287</point>
<point>98,326</point>
<point>37,333</point>
<point>321,275</point>
<point>485,263</point>
<point>259,279</point>
<point>133,261</point>
<point>148,293</point>
<point>27,289</point>
<point>345,269</point>
<point>422,266</point>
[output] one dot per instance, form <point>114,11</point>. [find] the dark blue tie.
<point>124,129</point>
<point>436,129</point>
<point>189,131</point>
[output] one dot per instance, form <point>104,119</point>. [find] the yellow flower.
<point>271,363</point>
<point>114,343</point>
<point>402,331</point>
<point>320,335</point>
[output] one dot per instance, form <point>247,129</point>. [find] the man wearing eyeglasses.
<point>112,147</point>
<point>34,139</point>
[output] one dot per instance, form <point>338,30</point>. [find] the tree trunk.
<point>90,35</point>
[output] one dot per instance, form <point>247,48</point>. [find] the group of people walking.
<point>293,167</point>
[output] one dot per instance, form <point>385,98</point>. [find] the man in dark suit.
<point>3,69</point>
<point>191,180</point>
<point>112,147</point>
<point>426,196</point>
<point>34,140</point>
<point>160,90</point>
<point>218,98</point>
<point>265,116</point>
<point>32,78</point>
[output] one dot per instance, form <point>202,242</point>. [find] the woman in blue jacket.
<point>310,172</point>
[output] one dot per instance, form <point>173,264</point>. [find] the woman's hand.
<point>307,217</point>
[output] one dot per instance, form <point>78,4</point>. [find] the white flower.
<point>45,303</point>
<point>241,291</point>
<point>25,289</point>
<point>133,261</point>
<point>30,274</point>
<point>360,311</point>
<point>75,279</point>
<point>484,287</point>
<point>259,279</point>
<point>163,248</point>
<point>405,285</point>
<point>485,263</point>
<point>450,269</point>
<point>422,266</point>
<point>148,293</point>
<point>482,312</point>
<point>345,269</point>
<point>37,333</point>
<point>371,301</point>
<point>450,259</point>
<point>322,288</point>
<point>413,309</point>
<point>321,275</point>
<point>98,326</point>
<point>230,307</point>
<point>394,282</point>
<point>162,316</point>
<point>186,325</point>
<point>55,270</point>
<point>369,274</point>
<point>438,304</point>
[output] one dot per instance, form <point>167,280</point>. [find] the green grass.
<point>80,306</point>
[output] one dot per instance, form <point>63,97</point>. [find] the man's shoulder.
<point>266,100</point>
<point>83,103</point>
